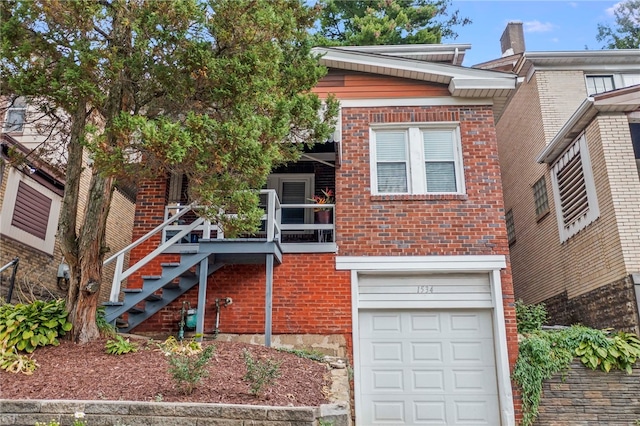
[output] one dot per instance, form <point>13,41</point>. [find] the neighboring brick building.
<point>411,277</point>
<point>569,143</point>
<point>31,198</point>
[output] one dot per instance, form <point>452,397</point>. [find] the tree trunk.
<point>91,250</point>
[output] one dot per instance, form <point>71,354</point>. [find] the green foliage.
<point>13,362</point>
<point>106,329</point>
<point>187,365</point>
<point>618,352</point>
<point>545,353</point>
<point>376,22</point>
<point>120,346</point>
<point>626,34</point>
<point>530,317</point>
<point>304,353</point>
<point>37,324</point>
<point>260,373</point>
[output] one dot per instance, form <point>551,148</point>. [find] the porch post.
<point>203,272</point>
<point>268,301</point>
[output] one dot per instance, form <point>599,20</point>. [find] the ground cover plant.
<point>544,353</point>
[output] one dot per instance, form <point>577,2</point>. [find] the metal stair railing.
<point>120,275</point>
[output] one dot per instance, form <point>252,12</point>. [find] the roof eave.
<point>461,80</point>
<point>620,101</point>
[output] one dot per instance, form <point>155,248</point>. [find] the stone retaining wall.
<point>110,413</point>
<point>586,397</point>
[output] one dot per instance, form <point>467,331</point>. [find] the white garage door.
<point>427,367</point>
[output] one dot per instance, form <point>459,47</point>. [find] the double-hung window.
<point>424,159</point>
<point>15,117</point>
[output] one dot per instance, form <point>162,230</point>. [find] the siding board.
<point>358,85</point>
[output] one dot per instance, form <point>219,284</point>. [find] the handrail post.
<point>271,209</point>
<point>117,273</point>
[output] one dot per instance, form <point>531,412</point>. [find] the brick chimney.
<point>512,40</point>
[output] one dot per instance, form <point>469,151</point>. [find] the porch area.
<point>190,249</point>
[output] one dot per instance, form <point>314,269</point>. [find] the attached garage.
<point>429,342</point>
<point>428,367</point>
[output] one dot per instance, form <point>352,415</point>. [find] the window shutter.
<point>31,212</point>
<point>572,189</point>
<point>391,157</point>
<point>439,156</point>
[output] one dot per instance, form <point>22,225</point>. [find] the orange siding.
<point>357,85</point>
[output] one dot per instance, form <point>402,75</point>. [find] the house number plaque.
<point>425,289</point>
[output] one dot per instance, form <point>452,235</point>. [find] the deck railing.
<point>181,228</point>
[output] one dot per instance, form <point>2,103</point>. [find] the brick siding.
<point>611,305</point>
<point>606,251</point>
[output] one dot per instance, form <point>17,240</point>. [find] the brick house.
<point>569,144</point>
<point>409,278</point>
<point>30,202</point>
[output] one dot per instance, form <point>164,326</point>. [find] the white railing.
<point>175,231</point>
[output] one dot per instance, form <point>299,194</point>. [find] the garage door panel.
<point>439,369</point>
<point>466,323</point>
<point>477,411</point>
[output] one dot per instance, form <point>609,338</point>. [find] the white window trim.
<point>416,182</point>
<point>593,211</point>
<point>8,205</point>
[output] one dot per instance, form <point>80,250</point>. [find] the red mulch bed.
<point>86,372</point>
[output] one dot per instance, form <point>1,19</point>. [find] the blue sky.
<point>548,25</point>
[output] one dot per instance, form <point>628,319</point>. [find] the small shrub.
<point>260,373</point>
<point>37,324</point>
<point>172,346</point>
<point>530,317</point>
<point>13,362</point>
<point>188,368</point>
<point>120,346</point>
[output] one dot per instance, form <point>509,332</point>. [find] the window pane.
<point>392,177</point>
<point>391,146</point>
<point>441,177</point>
<point>599,84</point>
<point>15,120</point>
<point>293,193</point>
<point>438,145</point>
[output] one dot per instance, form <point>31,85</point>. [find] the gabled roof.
<point>398,61</point>
<point>621,100</point>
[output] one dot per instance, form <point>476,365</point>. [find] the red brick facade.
<point>309,295</point>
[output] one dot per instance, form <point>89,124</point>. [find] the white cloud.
<point>611,10</point>
<point>538,27</point>
<point>573,4</point>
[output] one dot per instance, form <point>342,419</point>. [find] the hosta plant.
<point>37,324</point>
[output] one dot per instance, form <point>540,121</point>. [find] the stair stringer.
<point>151,284</point>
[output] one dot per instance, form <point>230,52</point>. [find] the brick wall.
<point>610,305</point>
<point>421,224</point>
<point>605,251</point>
<point>585,397</point>
<point>38,270</point>
<point>309,297</point>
